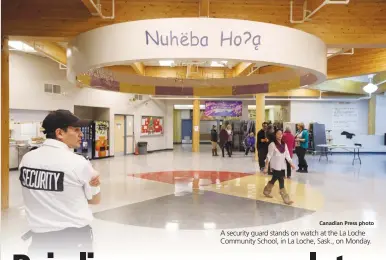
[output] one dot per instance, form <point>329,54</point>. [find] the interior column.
<point>196,126</point>
<point>260,116</point>
<point>4,123</point>
<point>371,116</point>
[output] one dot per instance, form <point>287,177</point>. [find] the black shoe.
<point>299,170</point>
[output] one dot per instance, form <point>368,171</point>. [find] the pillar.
<point>260,117</point>
<point>196,126</point>
<point>4,123</point>
<point>371,116</point>
<point>245,115</point>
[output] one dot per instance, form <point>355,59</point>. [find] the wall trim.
<point>161,150</point>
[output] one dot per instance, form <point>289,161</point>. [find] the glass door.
<point>129,134</point>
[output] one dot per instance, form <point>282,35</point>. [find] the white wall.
<point>380,112</point>
<point>22,115</point>
<point>29,73</point>
<point>245,114</point>
<point>322,112</point>
<point>185,114</point>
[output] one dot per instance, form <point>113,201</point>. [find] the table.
<point>326,147</point>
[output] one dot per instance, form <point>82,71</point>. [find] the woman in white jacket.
<point>276,158</point>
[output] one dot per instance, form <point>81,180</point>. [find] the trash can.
<point>142,147</point>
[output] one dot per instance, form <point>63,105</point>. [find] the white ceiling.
<point>363,78</point>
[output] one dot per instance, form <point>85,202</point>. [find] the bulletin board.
<point>152,125</point>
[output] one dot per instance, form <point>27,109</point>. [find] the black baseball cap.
<point>62,119</point>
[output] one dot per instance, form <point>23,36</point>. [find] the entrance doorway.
<point>123,134</point>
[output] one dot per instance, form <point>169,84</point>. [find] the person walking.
<point>262,145</point>
<point>213,139</point>
<point>57,186</point>
<point>301,142</point>
<point>277,155</point>
<point>289,140</point>
<point>229,143</point>
<point>249,142</point>
<point>223,140</point>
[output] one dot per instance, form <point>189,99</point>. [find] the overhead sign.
<point>205,39</point>
<point>193,39</point>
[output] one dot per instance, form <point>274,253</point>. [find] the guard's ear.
<point>59,133</point>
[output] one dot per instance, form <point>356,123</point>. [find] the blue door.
<point>186,130</point>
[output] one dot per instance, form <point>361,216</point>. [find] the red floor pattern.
<point>171,177</point>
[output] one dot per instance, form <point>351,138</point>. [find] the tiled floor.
<point>169,199</point>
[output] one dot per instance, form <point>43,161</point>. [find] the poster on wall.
<point>101,139</point>
<point>223,108</point>
<point>345,117</point>
<point>152,125</point>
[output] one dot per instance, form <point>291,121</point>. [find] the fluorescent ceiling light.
<point>186,107</point>
<point>370,88</point>
<point>166,62</point>
<point>20,46</point>
<point>253,107</point>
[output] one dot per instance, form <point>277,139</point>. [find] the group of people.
<point>297,143</point>
<point>225,142</point>
<point>275,152</point>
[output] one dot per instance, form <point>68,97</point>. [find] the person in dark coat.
<point>224,140</point>
<point>213,139</point>
<point>262,145</point>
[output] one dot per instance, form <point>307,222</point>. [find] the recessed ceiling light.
<point>217,64</point>
<point>166,62</point>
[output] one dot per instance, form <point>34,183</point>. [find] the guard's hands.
<point>293,166</point>
<point>95,182</point>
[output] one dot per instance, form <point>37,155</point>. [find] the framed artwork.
<point>152,125</point>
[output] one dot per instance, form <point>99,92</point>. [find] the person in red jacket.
<point>289,139</point>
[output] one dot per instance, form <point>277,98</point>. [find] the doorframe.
<point>182,136</point>
<point>124,130</point>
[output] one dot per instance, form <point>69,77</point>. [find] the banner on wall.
<point>152,125</point>
<point>223,108</point>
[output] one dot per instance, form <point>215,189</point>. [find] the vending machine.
<point>86,146</point>
<point>100,139</point>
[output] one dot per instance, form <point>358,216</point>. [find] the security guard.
<point>57,186</point>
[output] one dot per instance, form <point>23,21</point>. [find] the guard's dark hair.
<point>52,135</point>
